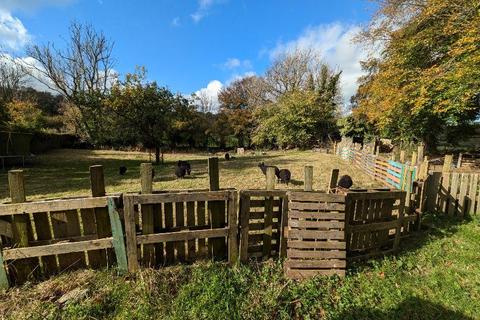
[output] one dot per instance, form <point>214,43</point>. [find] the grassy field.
<point>65,172</point>
<point>435,276</point>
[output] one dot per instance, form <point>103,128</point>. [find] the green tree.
<point>145,111</point>
<point>427,78</point>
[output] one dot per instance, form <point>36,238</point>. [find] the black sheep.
<point>180,172</point>
<point>122,170</point>
<point>345,182</point>
<point>284,176</point>
<point>263,167</point>
<point>185,165</point>
<point>227,156</point>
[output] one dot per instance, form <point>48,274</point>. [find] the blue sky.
<point>191,45</point>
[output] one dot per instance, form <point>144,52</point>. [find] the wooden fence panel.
<point>185,225</point>
<point>372,226</point>
<point>315,242</point>
<point>58,233</point>
<point>260,223</point>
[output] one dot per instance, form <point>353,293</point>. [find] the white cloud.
<point>233,63</point>
<point>334,44</point>
<point>211,91</point>
<point>176,22</point>
<point>13,34</point>
<point>203,9</point>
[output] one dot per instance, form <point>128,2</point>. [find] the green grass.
<point>64,173</point>
<point>435,276</point>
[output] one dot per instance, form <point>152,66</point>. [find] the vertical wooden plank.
<point>420,151</point>
<point>117,235</point>
<point>270,178</point>
<point>95,259</point>
<point>332,183</point>
<point>267,228</point>
<point>42,226</point>
<point>146,182</point>
<point>191,223</point>
<point>283,228</point>
<point>179,223</point>
<point>472,193</point>
<point>3,274</point>
<point>216,209</point>
<point>244,226</point>
<point>308,185</point>
<point>447,163</point>
<point>459,160</point>
<point>401,214</point>
<point>414,158</point>
<point>232,228</point>
<point>157,228</point>
<point>445,192</point>
<point>453,194</point>
<point>97,183</point>
<point>169,247</point>
<point>433,190</point>
<point>402,156</point>
<point>130,233</point>
<point>20,225</point>
<point>66,224</point>
<point>201,221</point>
<point>462,198</point>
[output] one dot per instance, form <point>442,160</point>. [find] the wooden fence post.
<point>146,181</point>
<point>332,184</point>
<point>97,182</point>
<point>20,223</point>
<point>459,161</point>
<point>270,178</point>
<point>308,185</point>
<point>420,151</point>
<point>117,237</point>
<point>232,228</point>
<point>414,158</point>
<point>268,217</point>
<point>447,163</point>
<point>216,211</point>
<point>402,156</point>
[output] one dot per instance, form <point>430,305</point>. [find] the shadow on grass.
<point>412,308</point>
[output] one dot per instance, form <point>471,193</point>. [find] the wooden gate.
<point>261,213</point>
<point>176,227</point>
<point>374,222</point>
<point>315,235</point>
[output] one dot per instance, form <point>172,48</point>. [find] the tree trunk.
<point>157,155</point>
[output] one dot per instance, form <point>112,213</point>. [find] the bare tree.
<point>291,71</point>
<point>82,72</point>
<point>12,77</point>
<point>204,101</point>
<point>85,65</point>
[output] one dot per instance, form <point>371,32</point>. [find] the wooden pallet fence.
<point>454,193</point>
<point>315,237</point>
<point>374,222</point>
<point>183,229</point>
<point>261,214</point>
<point>59,238</point>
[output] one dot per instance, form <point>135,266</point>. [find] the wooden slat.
<point>6,228</point>
<point>53,205</point>
<point>191,223</point>
<point>201,220</point>
<point>453,194</point>
<point>319,235</point>
<point>57,248</point>
<point>264,193</point>
<point>283,228</point>
<point>182,235</point>
<point>375,226</point>
<point>232,229</point>
<point>169,246</point>
<point>316,215</point>
<point>316,224</point>
<point>472,194</point>
<point>462,196</point>
<point>148,257</point>
<point>319,206</point>
<point>181,197</point>
<point>130,233</point>
<point>301,244</point>
<point>180,222</point>
<point>117,237</point>
<point>157,227</point>
<point>310,254</point>
<point>244,226</point>
<point>42,227</point>
<point>66,224</point>
<point>267,228</point>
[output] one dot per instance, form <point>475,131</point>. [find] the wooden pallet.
<point>315,235</point>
